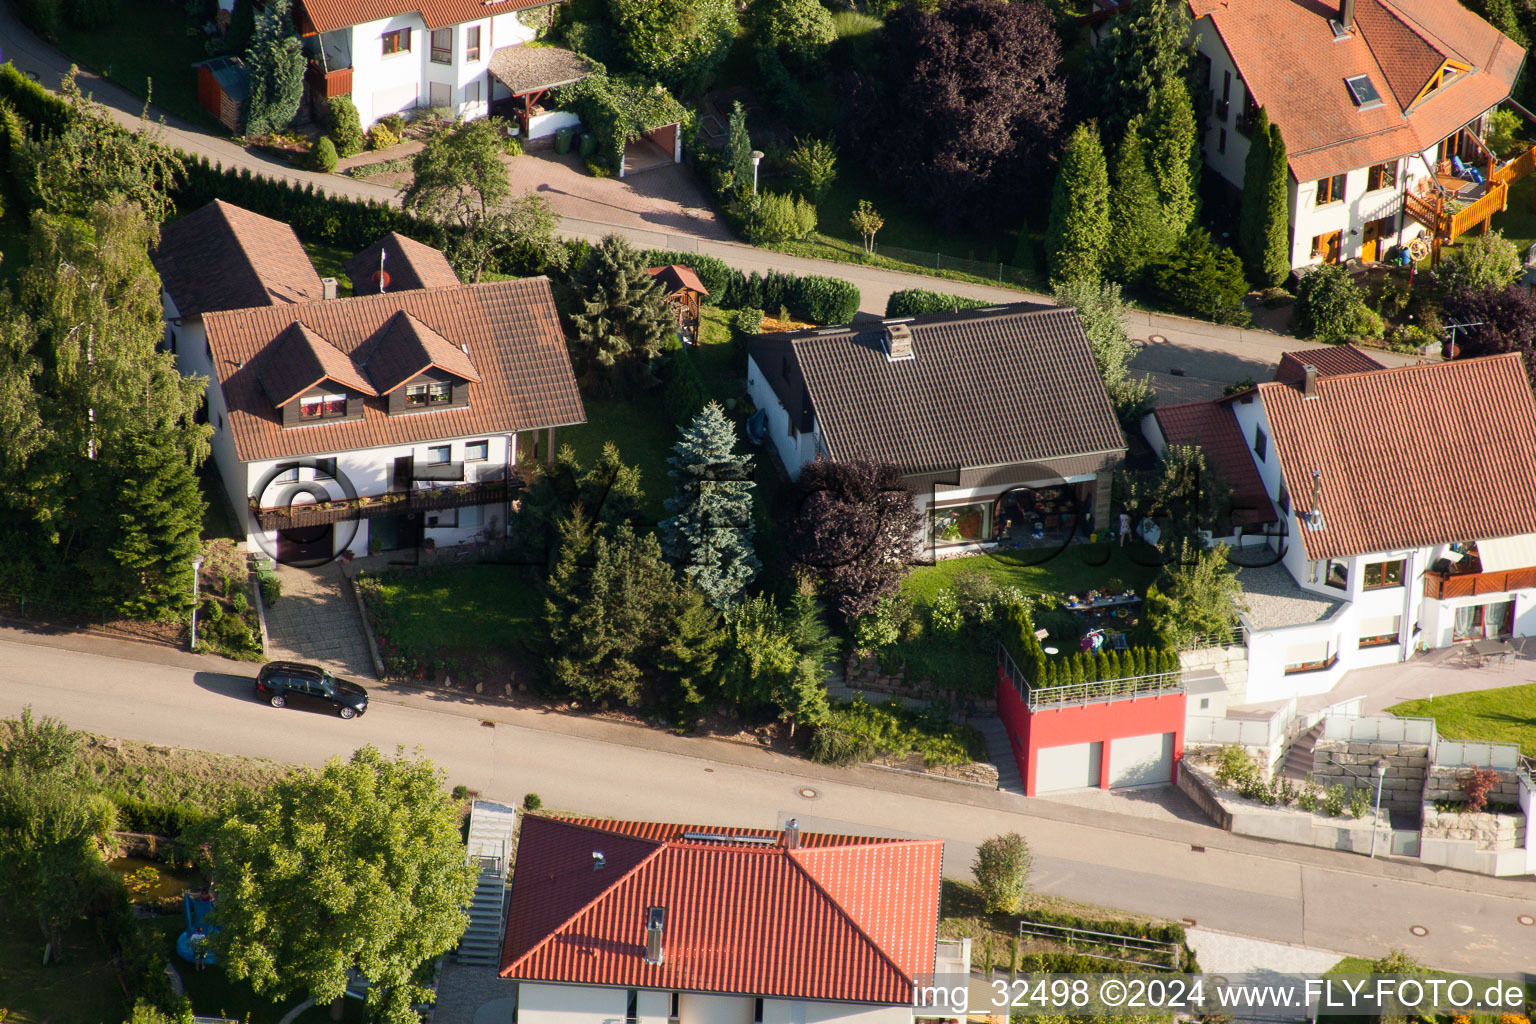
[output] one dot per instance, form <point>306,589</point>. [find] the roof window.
<point>1363,92</point>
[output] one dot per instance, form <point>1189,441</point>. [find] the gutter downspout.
<point>1410,581</point>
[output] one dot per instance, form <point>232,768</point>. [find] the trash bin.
<point>587,144</point>
<point>563,140</point>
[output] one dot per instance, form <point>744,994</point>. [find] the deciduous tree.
<point>966,105</point>
<point>852,526</point>
<point>678,41</point>
<point>1078,231</point>
<point>355,867</point>
<point>1505,318</point>
<point>800,29</point>
<point>1481,261</point>
<point>709,532</point>
<point>1197,595</point>
<point>774,666</point>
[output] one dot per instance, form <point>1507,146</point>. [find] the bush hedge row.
<point>820,300</point>
<point>1019,637</point>
<point>917,301</point>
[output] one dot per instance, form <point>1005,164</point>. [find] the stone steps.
<point>1298,759</point>
<point>1000,753</point>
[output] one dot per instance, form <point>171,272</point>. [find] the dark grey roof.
<point>998,386</point>
<point>409,264</point>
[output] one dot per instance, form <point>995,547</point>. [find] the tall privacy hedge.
<point>917,301</point>
<point>1106,666</point>
<point>819,300</point>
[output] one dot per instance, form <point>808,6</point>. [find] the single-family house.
<point>651,923</point>
<point>1406,499</point>
<point>1382,105</point>
<point>398,263</point>
<point>464,56</point>
<point>996,417</point>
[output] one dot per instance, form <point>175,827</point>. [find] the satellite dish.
<point>380,278</point>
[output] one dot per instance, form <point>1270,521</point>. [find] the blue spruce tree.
<point>709,530</point>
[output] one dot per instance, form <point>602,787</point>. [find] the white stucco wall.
<point>699,1008</point>
<point>388,84</point>
<point>570,1004</point>
<point>813,1011</point>
<point>795,449</point>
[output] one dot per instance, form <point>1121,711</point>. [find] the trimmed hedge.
<point>43,111</point>
<point>826,300</point>
<point>820,300</point>
<point>917,301</point>
<point>1104,667</point>
<point>154,818</point>
<point>714,273</point>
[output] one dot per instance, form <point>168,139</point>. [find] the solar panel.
<point>1362,90</point>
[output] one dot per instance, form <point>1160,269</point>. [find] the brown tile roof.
<point>510,327</point>
<point>301,359</point>
<point>325,15</point>
<point>1285,52</point>
<point>524,69</point>
<point>998,386</point>
<point>1330,361</point>
<point>675,278</point>
<point>1410,456</point>
<point>839,918</point>
<point>404,347</point>
<point>407,262</point>
<point>1213,427</point>
<point>225,257</point>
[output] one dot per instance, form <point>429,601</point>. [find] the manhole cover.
<point>1419,930</point>
<point>1156,339</point>
<point>1526,919</point>
<point>807,793</point>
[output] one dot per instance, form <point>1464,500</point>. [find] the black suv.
<point>291,683</point>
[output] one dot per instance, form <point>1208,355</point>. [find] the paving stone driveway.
<point>316,620</point>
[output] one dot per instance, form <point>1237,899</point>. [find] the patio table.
<point>1489,648</point>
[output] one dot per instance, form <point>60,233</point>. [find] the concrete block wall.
<point>1488,831</point>
<point>1352,765</point>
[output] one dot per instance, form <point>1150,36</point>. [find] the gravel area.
<point>1274,599</point>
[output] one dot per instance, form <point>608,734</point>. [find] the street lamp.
<point>197,568</point>
<point>1380,768</point>
<point>757,158</point>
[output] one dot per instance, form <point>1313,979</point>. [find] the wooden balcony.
<point>329,84</point>
<point>1441,586</point>
<point>1438,213</point>
<point>394,503</point>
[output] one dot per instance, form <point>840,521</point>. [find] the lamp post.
<point>1380,768</point>
<point>757,158</point>
<point>197,568</point>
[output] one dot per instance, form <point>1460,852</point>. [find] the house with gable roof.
<point>1404,511</point>
<point>651,923</point>
<point>377,421</point>
<point>1382,105</point>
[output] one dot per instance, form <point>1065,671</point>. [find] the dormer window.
<point>421,396</point>
<point>322,407</point>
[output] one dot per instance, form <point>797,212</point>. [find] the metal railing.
<point>1160,684</point>
<point>1237,636</point>
<point>1379,729</point>
<point>1073,937</point>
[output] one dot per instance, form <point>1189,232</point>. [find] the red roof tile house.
<point>1381,103</point>
<point>996,417</point>
<point>612,920</point>
<point>396,263</point>
<point>349,424</point>
<point>1406,499</point>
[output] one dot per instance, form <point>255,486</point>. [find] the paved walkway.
<point>472,995</point>
<point>316,620</point>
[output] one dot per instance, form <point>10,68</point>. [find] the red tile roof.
<point>1330,361</point>
<point>1410,456</point>
<point>407,263</point>
<point>675,277</point>
<point>843,918</point>
<point>325,15</point>
<point>301,359</point>
<point>225,257</point>
<point>511,329</point>
<point>1285,52</point>
<point>1214,427</point>
<point>405,347</point>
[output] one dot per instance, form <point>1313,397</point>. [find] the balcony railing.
<point>394,503</point>
<point>1161,684</point>
<point>1441,586</point>
<point>330,84</point>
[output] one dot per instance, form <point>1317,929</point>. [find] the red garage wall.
<point>1030,732</point>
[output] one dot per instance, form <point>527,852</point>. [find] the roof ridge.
<point>852,921</point>
<point>1445,364</point>
<point>549,936</point>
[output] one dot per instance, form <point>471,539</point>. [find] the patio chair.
<point>1471,658</point>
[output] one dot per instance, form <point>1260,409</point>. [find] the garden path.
<point>316,620</point>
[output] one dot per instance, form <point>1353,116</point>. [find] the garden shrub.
<point>1502,126</point>
<point>825,300</point>
<point>1203,279</point>
<point>770,217</point>
<point>344,126</point>
<point>1480,261</point>
<point>1331,307</point>
<point>686,392</point>
<point>41,16</point>
<point>747,321</point>
<point>860,731</point>
<point>1002,871</point>
<point>917,301</point>
<point>323,157</point>
<point>271,586</point>
<point>395,123</point>
<point>380,137</point>
<point>532,802</point>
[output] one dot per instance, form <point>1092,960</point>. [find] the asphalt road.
<point>1321,899</point>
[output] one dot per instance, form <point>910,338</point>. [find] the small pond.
<point>171,883</point>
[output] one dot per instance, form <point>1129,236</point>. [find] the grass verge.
<point>1504,715</point>
<point>174,775</point>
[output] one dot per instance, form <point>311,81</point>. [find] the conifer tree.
<point>709,533</point>
<point>275,65</point>
<point>738,147</point>
<point>1078,230</point>
<point>1175,153</point>
<point>1136,220</point>
<point>1250,222</point>
<point>1277,224</point>
<point>620,315</point>
<point>1140,50</point>
<point>160,510</point>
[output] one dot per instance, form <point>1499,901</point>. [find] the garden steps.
<point>492,827</point>
<point>1298,759</point>
<point>1000,753</point>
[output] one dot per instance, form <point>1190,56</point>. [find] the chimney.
<point>898,342</point>
<point>598,860</point>
<point>383,277</point>
<point>655,930</point>
<point>327,287</point>
<point>1309,381</point>
<point>1347,14</point>
<point>792,834</point>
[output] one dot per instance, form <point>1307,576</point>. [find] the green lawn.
<point>1076,569</point>
<point>212,992</point>
<point>641,428</point>
<point>328,261</point>
<point>1505,715</point>
<point>468,608</point>
<point>1518,222</point>
<point>80,989</point>
<point>148,51</point>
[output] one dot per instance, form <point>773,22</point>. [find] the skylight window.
<point>1364,93</point>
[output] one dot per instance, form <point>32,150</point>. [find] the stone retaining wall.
<point>1444,783</point>
<point>1352,765</point>
<point>1489,831</point>
<point>867,675</point>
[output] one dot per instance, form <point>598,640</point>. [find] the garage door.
<point>1070,767</point>
<point>1141,760</point>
